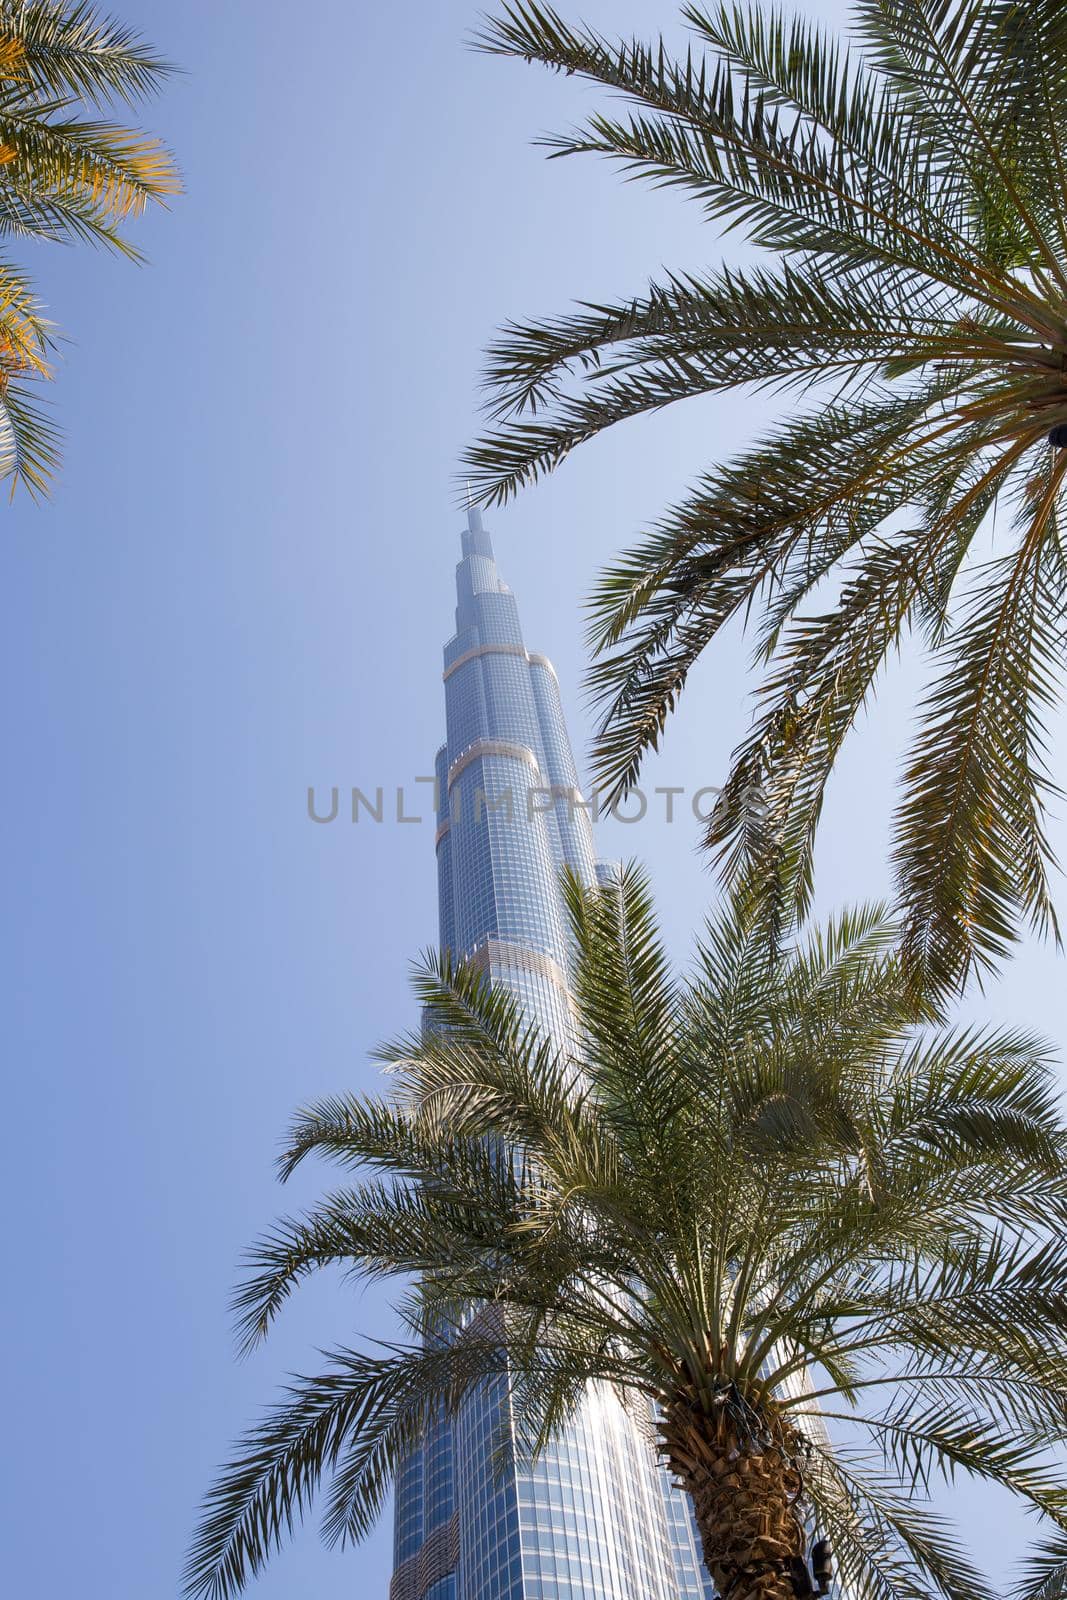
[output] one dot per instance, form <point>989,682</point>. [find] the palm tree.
<point>910,191</point>
<point>68,174</point>
<point>765,1197</point>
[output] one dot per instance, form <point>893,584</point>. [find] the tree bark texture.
<point>746,1502</point>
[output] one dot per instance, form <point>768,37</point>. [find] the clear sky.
<point>241,588</point>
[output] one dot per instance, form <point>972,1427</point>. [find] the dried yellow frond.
<point>144,171</point>
<point>12,56</point>
<point>24,332</point>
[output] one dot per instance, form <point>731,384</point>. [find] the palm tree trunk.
<point>745,1499</point>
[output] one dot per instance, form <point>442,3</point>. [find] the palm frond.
<point>741,1204</point>
<point>1045,1572</point>
<point>886,1546</point>
<point>775,520</point>
<point>64,176</point>
<point>29,439</point>
<point>912,185</point>
<point>970,840</point>
<point>359,1418</point>
<point>715,133</point>
<point>75,50</point>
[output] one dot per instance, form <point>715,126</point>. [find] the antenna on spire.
<point>474,515</point>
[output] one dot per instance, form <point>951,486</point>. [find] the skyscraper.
<point>595,1517</point>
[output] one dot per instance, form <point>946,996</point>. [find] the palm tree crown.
<point>66,173</point>
<point>911,190</point>
<point>764,1197</point>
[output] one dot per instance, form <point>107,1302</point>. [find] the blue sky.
<point>241,588</point>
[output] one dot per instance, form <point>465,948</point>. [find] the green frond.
<point>29,439</point>
<point>765,821</point>
<point>887,1546</point>
<point>717,134</point>
<point>970,840</point>
<point>1045,1572</point>
<point>775,520</point>
<point>946,1439</point>
<point>911,186</point>
<point>737,327</point>
<point>689,337</point>
<point>386,1230</point>
<point>74,49</point>
<point>353,1130</point>
<point>975,83</point>
<point>356,1420</point>
<point>67,173</point>
<point>624,995</point>
<point>771,1180</point>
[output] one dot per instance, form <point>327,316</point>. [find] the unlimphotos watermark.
<point>394,803</point>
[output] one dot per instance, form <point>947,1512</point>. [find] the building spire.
<point>476,540</point>
<point>474,515</point>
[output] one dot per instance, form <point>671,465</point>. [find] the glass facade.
<point>595,1517</point>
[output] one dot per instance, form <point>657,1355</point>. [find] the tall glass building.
<point>595,1517</point>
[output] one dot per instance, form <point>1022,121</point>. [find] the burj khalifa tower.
<point>595,1517</point>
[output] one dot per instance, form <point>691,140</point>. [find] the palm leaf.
<point>67,176</point>
<point>912,186</point>
<point>754,1200</point>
